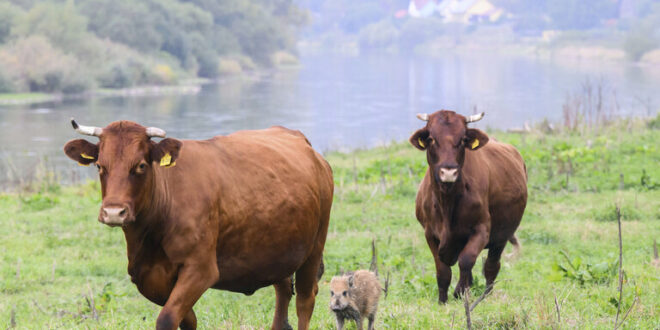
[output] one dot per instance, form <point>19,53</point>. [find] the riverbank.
<point>575,179</point>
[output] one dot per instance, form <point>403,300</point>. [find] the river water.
<point>340,103</point>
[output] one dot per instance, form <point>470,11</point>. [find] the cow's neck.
<point>152,218</point>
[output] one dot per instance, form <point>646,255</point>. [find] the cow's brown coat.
<point>237,212</point>
<point>482,209</point>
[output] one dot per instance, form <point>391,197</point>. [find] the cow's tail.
<point>517,247</point>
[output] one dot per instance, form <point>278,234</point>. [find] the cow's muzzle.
<point>115,215</point>
<point>448,174</point>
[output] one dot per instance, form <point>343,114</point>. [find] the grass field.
<point>56,258</point>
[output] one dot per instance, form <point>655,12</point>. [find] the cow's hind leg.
<point>492,264</point>
<point>306,289</point>
<point>283,293</point>
<point>468,257</point>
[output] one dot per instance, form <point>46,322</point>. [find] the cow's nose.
<point>114,215</point>
<point>448,174</point>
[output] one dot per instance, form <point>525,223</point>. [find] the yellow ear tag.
<point>166,160</point>
<point>81,164</point>
<point>419,140</point>
<point>475,144</point>
<point>86,156</point>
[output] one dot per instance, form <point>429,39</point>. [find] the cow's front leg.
<point>193,279</point>
<point>442,270</point>
<point>468,257</point>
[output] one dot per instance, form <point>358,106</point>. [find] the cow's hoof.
<point>460,291</point>
<point>442,298</point>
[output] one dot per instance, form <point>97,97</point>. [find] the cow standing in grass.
<point>472,197</point>
<point>237,212</point>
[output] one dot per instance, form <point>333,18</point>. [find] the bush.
<point>654,123</point>
<point>378,35</point>
<point>638,42</point>
<point>34,65</point>
<point>417,31</point>
<point>6,84</point>
<point>208,64</point>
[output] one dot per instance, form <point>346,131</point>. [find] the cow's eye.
<point>140,168</point>
<point>98,167</point>
<point>332,293</point>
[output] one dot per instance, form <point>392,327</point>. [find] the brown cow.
<point>468,200</point>
<point>237,212</point>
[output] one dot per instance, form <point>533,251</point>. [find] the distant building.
<point>456,11</point>
<point>422,8</point>
<point>469,11</point>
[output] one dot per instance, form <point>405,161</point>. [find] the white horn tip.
<point>155,132</point>
<point>423,116</point>
<point>474,118</point>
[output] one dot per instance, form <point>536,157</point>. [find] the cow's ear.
<point>166,152</point>
<point>82,151</point>
<point>420,139</point>
<point>475,139</point>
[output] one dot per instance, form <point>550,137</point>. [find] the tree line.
<point>73,46</point>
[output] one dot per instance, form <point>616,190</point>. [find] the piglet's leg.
<point>468,257</point>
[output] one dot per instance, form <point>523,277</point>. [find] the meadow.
<point>62,269</point>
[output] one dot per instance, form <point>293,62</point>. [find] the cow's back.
<point>265,192</point>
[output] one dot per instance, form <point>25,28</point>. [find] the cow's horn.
<point>86,130</point>
<point>423,116</point>
<point>155,132</point>
<point>473,118</point>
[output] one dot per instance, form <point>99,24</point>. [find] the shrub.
<point>378,35</point>
<point>638,42</point>
<point>34,65</point>
<point>417,31</point>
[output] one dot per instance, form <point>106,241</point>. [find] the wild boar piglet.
<point>354,296</point>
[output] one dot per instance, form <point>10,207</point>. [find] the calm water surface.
<point>340,103</point>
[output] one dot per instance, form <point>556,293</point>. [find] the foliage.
<point>62,24</point>
<point>584,273</point>
<point>186,36</point>
<point>33,64</point>
<point>415,32</point>
<point>379,35</point>
<point>644,34</point>
<point>9,13</point>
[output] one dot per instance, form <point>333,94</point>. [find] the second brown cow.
<point>472,197</point>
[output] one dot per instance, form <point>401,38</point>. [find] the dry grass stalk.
<point>466,304</point>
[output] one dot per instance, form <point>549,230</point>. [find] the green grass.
<point>20,98</point>
<point>55,255</point>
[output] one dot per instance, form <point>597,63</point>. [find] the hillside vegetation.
<point>61,268</point>
<point>73,46</point>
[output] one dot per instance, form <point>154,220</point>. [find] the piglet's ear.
<point>82,151</point>
<point>420,138</point>
<point>350,281</point>
<point>475,139</point>
<point>166,152</point>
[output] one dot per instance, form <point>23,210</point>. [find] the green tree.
<point>9,14</point>
<point>61,23</point>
